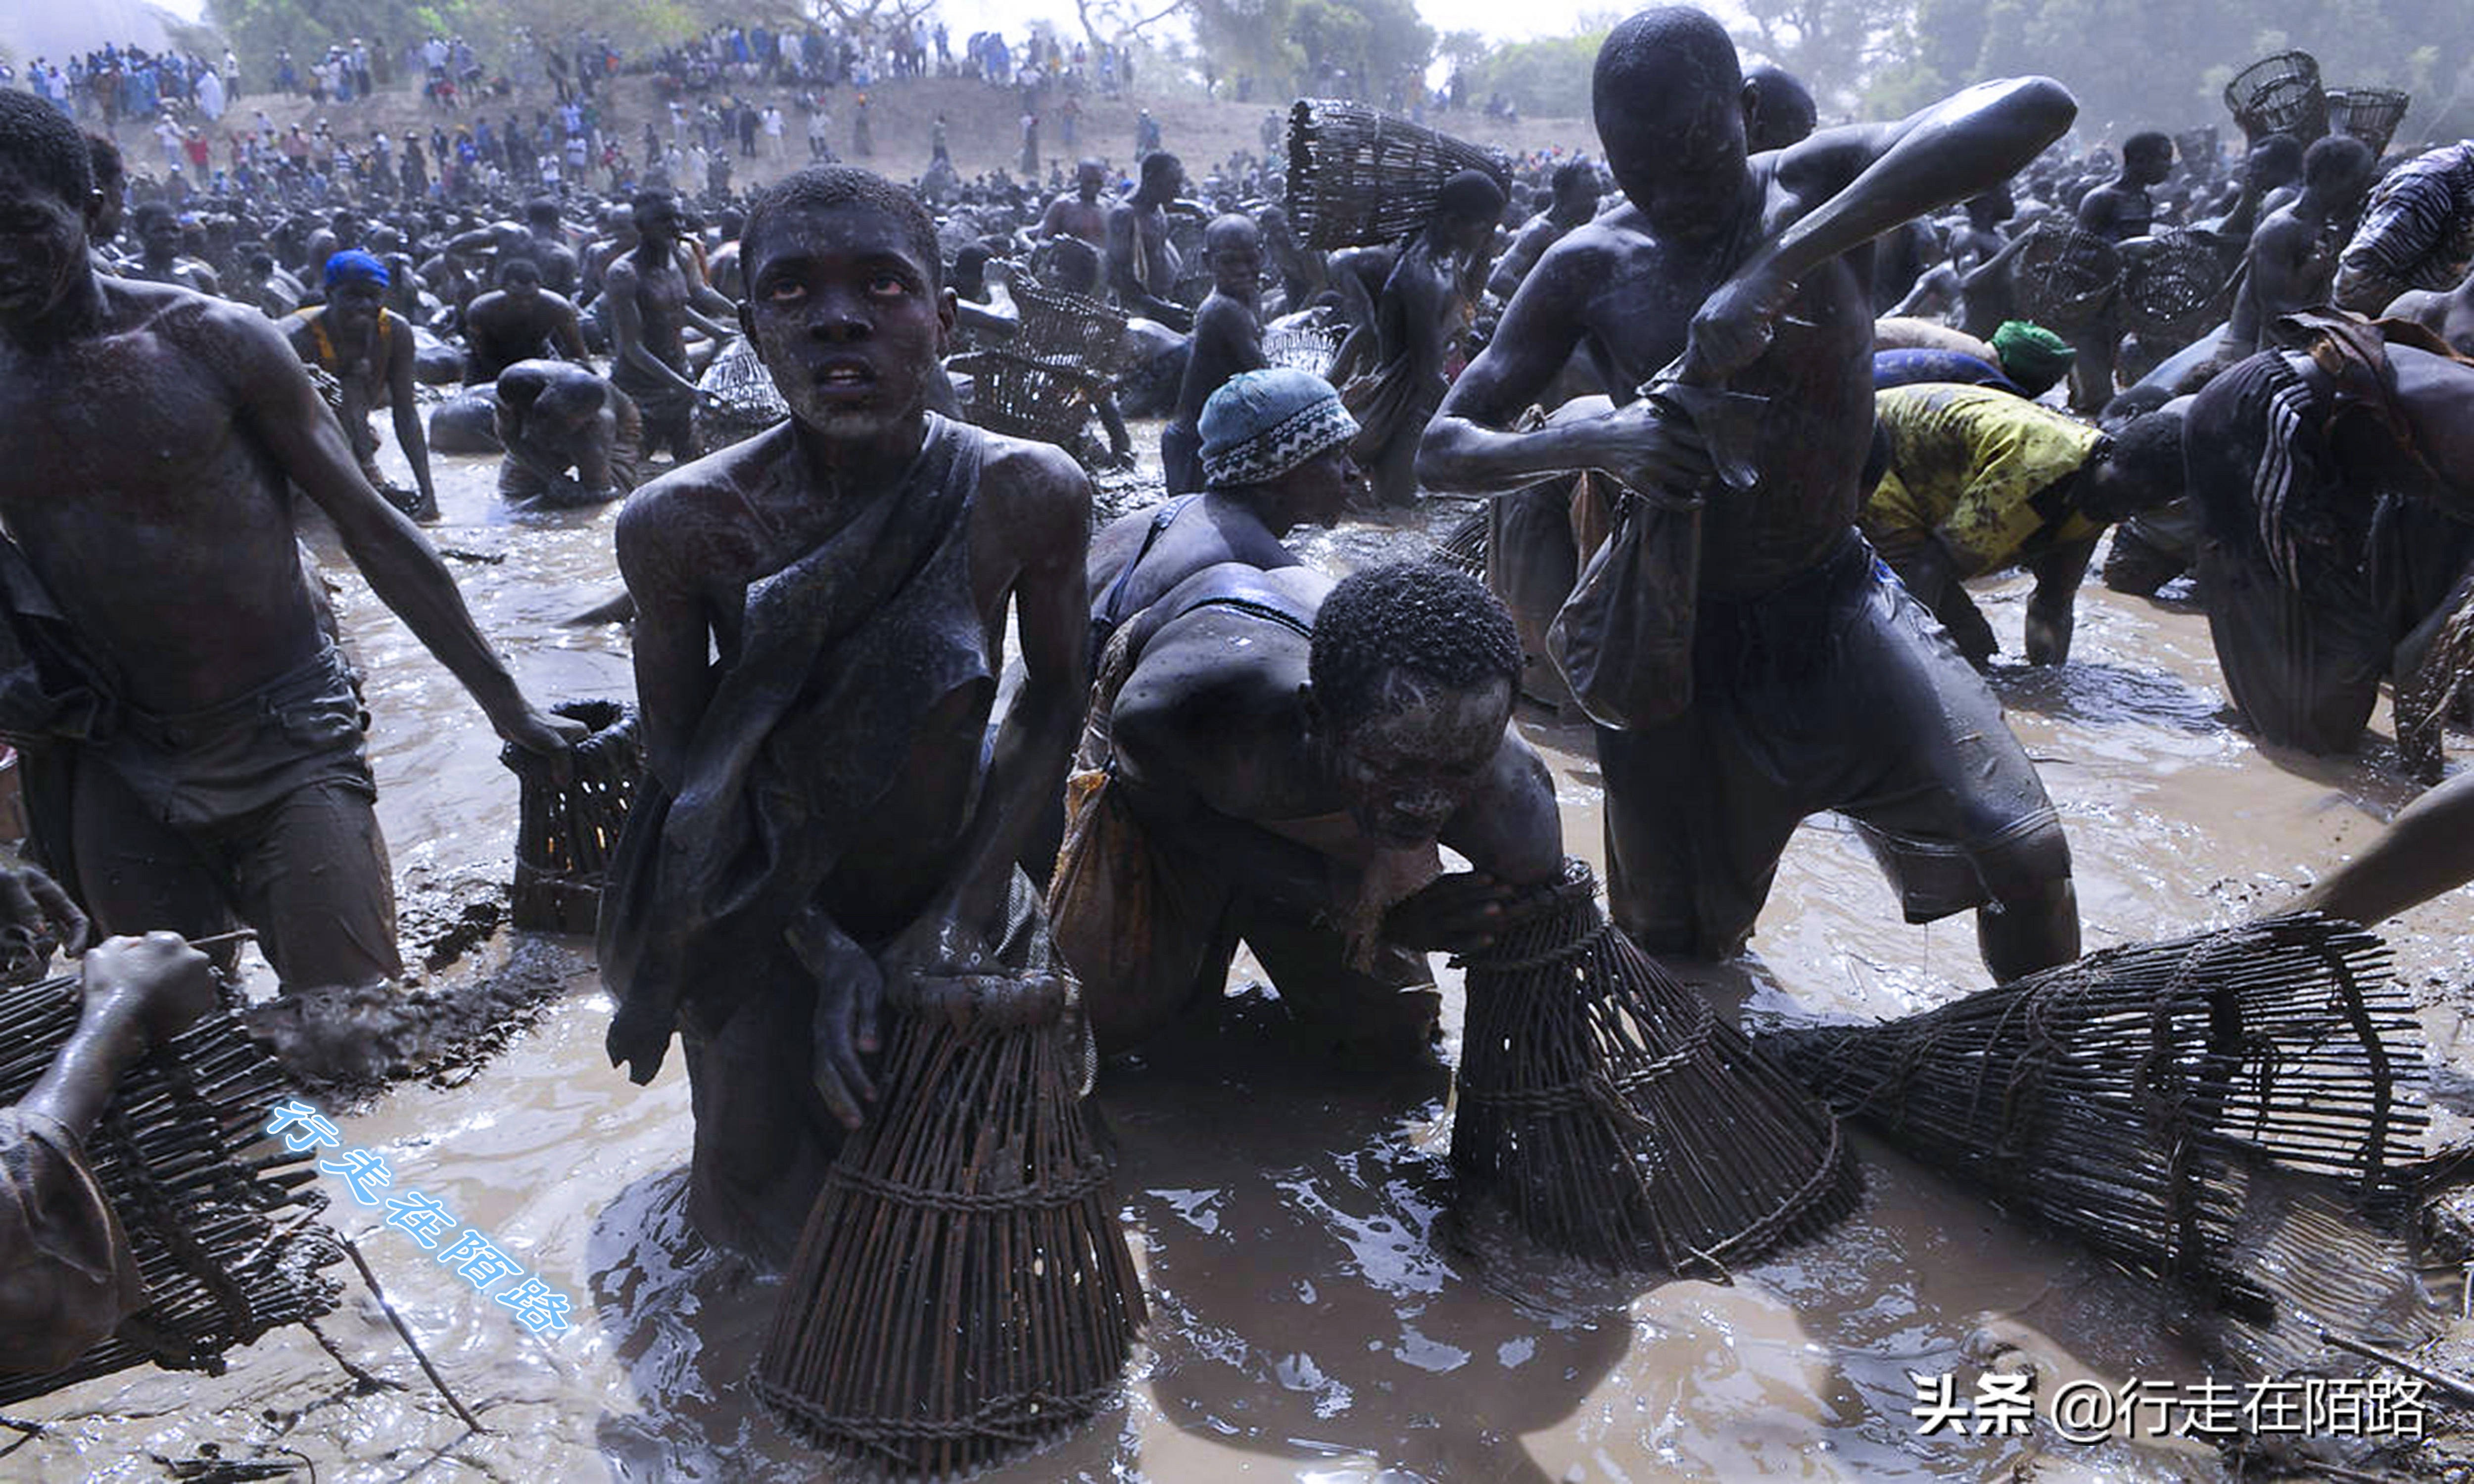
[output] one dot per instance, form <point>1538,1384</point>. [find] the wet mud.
<point>1318,1314</point>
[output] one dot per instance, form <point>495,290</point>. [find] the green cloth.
<point>2032,355</point>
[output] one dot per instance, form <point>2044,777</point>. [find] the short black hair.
<point>103,157</point>
<point>1668,44</point>
<point>41,141</point>
<point>646,200</point>
<point>845,185</point>
<point>516,267</point>
<point>2280,153</point>
<point>1469,196</point>
<point>1160,162</point>
<point>2147,450</point>
<point>2150,143</point>
<point>2336,158</point>
<point>1418,616</point>
<point>1573,173</point>
<point>147,213</point>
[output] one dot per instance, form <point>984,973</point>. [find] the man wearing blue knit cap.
<point>367,347</point>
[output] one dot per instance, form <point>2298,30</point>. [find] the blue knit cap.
<point>1260,424</point>
<point>353,263</point>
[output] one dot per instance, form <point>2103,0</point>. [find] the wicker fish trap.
<point>220,1218</point>
<point>2065,276</point>
<point>2428,697</point>
<point>2168,292</point>
<point>1618,1119</point>
<point>1464,545</point>
<point>565,833</point>
<point>1306,347</point>
<point>1058,326</point>
<point>2370,114</point>
<point>1358,175</point>
<point>1027,396</point>
<point>2120,1098</point>
<point>744,399</point>
<point>2279,95</point>
<point>963,1291</point>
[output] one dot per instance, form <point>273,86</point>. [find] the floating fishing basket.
<point>566,835</point>
<point>1306,347</point>
<point>2168,294</point>
<point>1464,545</point>
<point>749,401</point>
<point>1027,396</point>
<point>2065,275</point>
<point>2279,95</point>
<point>1618,1119</point>
<point>963,1291</point>
<point>2124,1098</point>
<point>219,1217</point>
<point>2370,114</point>
<point>1358,175</point>
<point>1058,326</point>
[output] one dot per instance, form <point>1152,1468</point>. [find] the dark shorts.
<point>1839,692</point>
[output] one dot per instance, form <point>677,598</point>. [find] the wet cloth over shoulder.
<point>844,652</point>
<point>67,1277</point>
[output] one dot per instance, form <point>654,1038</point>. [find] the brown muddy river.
<point>1311,1321</point>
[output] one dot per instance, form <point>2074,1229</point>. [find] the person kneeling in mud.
<point>1980,480</point>
<point>1274,759</point>
<point>823,819</point>
<point>554,419</point>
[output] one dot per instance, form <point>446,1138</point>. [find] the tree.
<point>1833,47</point>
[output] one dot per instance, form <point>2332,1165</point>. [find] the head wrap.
<point>2032,355</point>
<point>354,264</point>
<point>1260,424</point>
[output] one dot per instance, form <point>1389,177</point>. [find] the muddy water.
<point>1316,1315</point>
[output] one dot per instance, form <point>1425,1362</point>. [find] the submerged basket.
<point>1618,1119</point>
<point>2065,275</point>
<point>749,401</point>
<point>1025,396</point>
<point>2127,1097</point>
<point>1358,175</point>
<point>1306,347</point>
<point>218,1216</point>
<point>565,836</point>
<point>2370,114</point>
<point>2279,95</point>
<point>2172,292</point>
<point>1058,326</point>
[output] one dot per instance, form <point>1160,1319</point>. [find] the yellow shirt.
<point>1974,465</point>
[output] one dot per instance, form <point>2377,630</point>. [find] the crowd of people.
<point>1833,333</point>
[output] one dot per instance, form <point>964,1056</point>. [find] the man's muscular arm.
<point>406,409</point>
<point>674,683</point>
<point>279,406</point>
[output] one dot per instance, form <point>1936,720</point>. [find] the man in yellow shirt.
<point>1980,480</point>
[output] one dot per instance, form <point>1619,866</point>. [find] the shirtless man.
<point>1227,339</point>
<point>368,348</point>
<point>1142,265</point>
<point>894,540</point>
<point>2447,314</point>
<point>1734,266</point>
<point>1575,184</point>
<point>206,761</point>
<point>518,320</point>
<point>2122,210</point>
<point>1289,753</point>
<point>2293,258</point>
<point>653,303</point>
<point>1420,330</point>
<point>1081,214</point>
<point>571,438</point>
<point>159,253</point>
<point>1782,111</point>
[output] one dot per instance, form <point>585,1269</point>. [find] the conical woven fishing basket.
<point>1464,545</point>
<point>1306,347</point>
<point>2279,95</point>
<point>2064,274</point>
<point>1024,396</point>
<point>1058,326</point>
<point>1618,1119</point>
<point>2171,293</point>
<point>218,1216</point>
<point>963,1291</point>
<point>749,401</point>
<point>2119,1099</point>
<point>1358,175</point>
<point>2370,114</point>
<point>2427,698</point>
<point>565,833</point>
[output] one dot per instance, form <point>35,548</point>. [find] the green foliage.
<point>1548,78</point>
<point>1299,46</point>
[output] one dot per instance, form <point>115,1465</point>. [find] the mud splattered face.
<point>845,317</point>
<point>42,245</point>
<point>1410,764</point>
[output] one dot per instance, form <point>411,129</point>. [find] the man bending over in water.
<point>192,740</point>
<point>823,817</point>
<point>1818,685</point>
